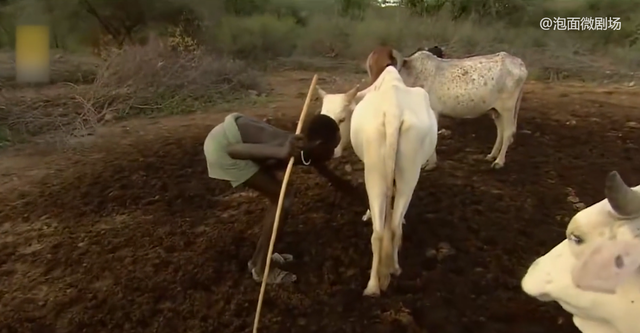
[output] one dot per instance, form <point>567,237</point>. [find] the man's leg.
<point>267,184</point>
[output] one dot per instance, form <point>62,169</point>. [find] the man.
<point>248,151</point>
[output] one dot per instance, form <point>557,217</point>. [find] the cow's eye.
<point>575,239</point>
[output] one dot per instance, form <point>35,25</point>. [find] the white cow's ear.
<point>351,94</point>
<point>321,92</point>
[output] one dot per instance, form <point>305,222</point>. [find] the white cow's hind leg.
<point>498,144</point>
<point>374,181</point>
<point>373,286</point>
<point>386,257</point>
<point>367,216</point>
<point>407,174</point>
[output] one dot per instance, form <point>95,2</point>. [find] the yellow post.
<point>32,53</point>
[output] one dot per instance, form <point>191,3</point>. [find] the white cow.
<point>593,274</point>
<point>393,131</point>
<point>467,88</point>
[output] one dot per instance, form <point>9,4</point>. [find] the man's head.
<point>339,107</point>
<point>322,137</point>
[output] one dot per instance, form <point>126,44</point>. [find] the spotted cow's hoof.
<point>490,157</point>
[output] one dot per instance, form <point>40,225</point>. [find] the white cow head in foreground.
<point>340,108</point>
<point>594,273</point>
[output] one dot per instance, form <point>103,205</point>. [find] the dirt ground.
<point>126,233</point>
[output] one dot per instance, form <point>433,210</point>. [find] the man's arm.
<point>250,151</point>
<point>339,183</point>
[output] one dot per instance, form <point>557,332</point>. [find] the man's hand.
<point>341,184</point>
<point>293,146</point>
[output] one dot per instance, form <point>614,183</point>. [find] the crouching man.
<point>245,150</point>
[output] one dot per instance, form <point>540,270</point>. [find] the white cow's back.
<point>410,105</point>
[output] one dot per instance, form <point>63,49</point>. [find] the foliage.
<point>210,43</point>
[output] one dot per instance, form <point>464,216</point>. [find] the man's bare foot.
<point>281,258</point>
<point>276,275</point>
<point>276,258</point>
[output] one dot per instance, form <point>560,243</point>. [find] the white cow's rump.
<point>469,88</point>
<point>593,273</point>
<point>393,131</point>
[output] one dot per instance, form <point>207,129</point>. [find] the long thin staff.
<point>283,191</point>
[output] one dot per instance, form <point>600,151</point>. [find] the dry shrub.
<point>149,79</point>
<point>33,111</point>
<point>154,78</point>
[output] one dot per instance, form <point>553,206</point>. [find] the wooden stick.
<point>276,222</point>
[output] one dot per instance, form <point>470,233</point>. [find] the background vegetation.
<point>164,56</point>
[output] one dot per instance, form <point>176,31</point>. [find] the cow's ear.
<point>321,92</point>
<point>351,94</point>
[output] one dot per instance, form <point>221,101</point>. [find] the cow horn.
<point>624,201</point>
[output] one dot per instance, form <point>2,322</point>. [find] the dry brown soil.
<point>126,233</point>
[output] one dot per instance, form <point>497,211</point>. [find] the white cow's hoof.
<point>497,165</point>
<point>396,271</point>
<point>372,291</point>
<point>366,215</point>
<point>490,157</point>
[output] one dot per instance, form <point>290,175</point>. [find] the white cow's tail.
<point>392,124</point>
